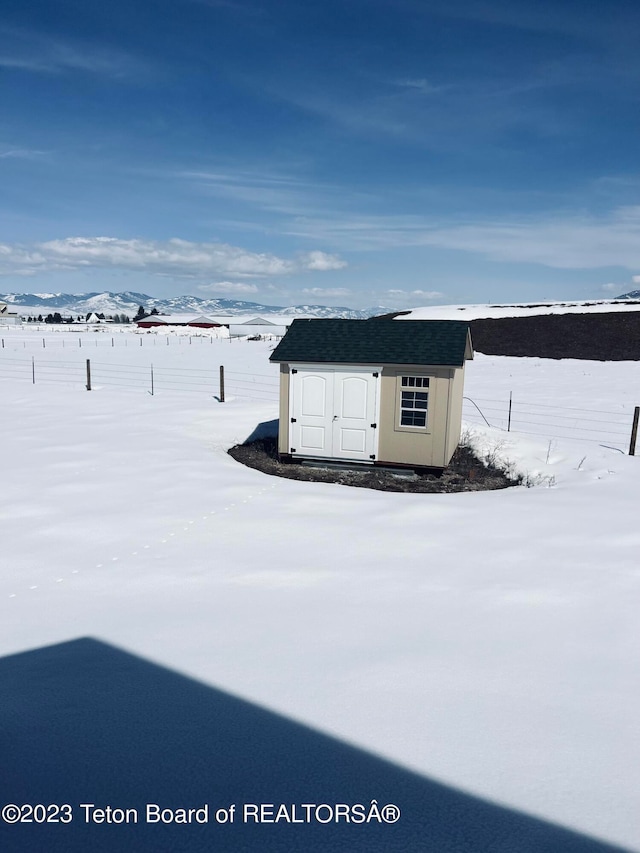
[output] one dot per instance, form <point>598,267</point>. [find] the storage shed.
<point>382,392</point>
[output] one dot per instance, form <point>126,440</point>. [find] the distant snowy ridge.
<point>129,301</point>
<point>522,309</point>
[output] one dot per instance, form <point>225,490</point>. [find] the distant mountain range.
<point>129,302</point>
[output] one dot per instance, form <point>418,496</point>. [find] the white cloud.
<point>635,279</point>
<point>29,51</point>
<point>229,287</point>
<point>322,261</point>
<point>610,287</point>
<point>419,84</point>
<point>565,243</point>
<point>326,291</point>
<point>562,242</point>
<point>427,294</point>
<point>424,294</point>
<point>19,153</point>
<point>174,257</point>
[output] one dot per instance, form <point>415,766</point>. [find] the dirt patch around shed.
<point>465,473</point>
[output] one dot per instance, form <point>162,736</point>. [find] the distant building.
<point>8,317</point>
<point>197,321</point>
<point>238,325</point>
<point>253,326</point>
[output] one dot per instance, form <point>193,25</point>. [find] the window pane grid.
<point>415,381</point>
<point>414,404</point>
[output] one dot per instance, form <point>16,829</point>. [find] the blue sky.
<point>361,152</point>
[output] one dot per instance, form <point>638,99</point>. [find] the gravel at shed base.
<point>465,473</point>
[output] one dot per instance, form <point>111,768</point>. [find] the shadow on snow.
<point>84,722</point>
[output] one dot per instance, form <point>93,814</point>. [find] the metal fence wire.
<point>152,378</point>
<point>550,420</point>
<point>612,428</point>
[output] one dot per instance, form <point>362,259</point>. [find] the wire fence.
<point>93,374</point>
<point>82,339</point>
<point>609,427</point>
<point>549,420</point>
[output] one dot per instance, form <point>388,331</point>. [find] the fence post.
<point>80,342</point>
<point>509,418</point>
<point>634,431</point>
<point>33,370</point>
<point>88,375</point>
<point>222,383</point>
<point>152,380</point>
<point>43,344</point>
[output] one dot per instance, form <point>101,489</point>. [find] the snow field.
<point>486,639</point>
<point>518,309</point>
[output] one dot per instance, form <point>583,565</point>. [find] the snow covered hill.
<point>522,309</point>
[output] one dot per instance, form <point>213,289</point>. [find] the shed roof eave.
<point>380,363</point>
<point>468,350</point>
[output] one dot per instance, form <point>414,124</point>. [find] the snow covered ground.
<point>518,309</point>
<point>488,640</point>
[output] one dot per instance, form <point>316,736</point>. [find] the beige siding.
<point>283,427</point>
<point>456,391</point>
<point>397,444</point>
<point>413,446</point>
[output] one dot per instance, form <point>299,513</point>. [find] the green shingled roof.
<point>374,342</point>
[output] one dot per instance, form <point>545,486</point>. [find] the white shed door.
<point>333,413</point>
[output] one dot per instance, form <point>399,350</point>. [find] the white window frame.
<point>419,384</point>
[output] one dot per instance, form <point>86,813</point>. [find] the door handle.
<point>335,417</point>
